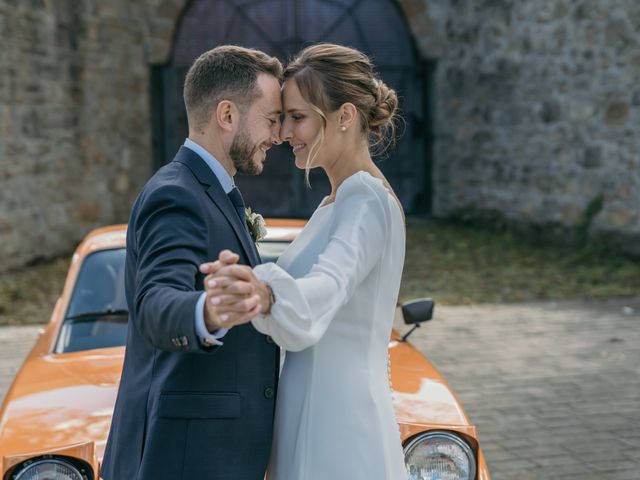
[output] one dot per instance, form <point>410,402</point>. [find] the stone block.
<point>550,111</point>
<point>617,218</point>
<point>592,157</point>
<point>617,113</point>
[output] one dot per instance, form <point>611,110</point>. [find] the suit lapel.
<point>220,198</point>
<point>215,192</point>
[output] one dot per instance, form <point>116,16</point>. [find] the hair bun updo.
<point>382,116</point>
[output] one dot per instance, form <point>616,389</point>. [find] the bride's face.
<point>301,127</point>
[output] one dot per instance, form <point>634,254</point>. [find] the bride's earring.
<point>343,128</point>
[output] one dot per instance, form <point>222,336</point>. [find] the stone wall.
<point>537,112</point>
<point>75,142</point>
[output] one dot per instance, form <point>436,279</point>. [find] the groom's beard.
<point>242,153</point>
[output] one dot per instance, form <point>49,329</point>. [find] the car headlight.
<point>48,469</point>
<point>439,456</point>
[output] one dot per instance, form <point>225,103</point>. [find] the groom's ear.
<point>226,115</point>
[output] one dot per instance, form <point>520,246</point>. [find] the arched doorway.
<point>281,28</point>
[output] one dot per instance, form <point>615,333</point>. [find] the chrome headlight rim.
<point>446,435</point>
<point>32,463</point>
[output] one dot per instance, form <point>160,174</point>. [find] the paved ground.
<point>15,344</point>
<point>554,388</point>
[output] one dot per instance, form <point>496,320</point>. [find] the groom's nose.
<point>275,138</point>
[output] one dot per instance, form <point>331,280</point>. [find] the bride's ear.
<point>347,116</point>
<point>227,115</point>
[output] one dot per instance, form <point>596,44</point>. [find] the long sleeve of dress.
<point>305,306</point>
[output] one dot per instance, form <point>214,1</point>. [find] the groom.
<point>197,397</point>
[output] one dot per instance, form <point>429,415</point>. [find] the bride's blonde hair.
<point>329,76</point>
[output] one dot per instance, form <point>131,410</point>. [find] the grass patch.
<point>464,264</point>
<point>27,296</point>
<point>452,263</point>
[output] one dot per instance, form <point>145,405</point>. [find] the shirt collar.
<point>216,167</point>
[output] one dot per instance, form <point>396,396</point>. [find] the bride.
<point>330,300</point>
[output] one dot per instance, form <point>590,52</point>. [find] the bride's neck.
<point>346,165</point>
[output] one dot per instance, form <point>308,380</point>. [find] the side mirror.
<point>416,312</point>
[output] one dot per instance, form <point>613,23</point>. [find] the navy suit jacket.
<point>184,410</point>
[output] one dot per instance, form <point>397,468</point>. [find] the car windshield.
<point>100,284</point>
<point>97,314</point>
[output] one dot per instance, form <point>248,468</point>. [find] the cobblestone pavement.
<point>554,388</point>
<point>15,344</point>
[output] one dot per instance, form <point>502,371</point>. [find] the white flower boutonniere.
<point>256,224</point>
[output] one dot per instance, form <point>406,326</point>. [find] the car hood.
<point>61,400</point>
<point>67,399</point>
<point>421,395</point>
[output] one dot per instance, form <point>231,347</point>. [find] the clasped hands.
<point>234,294</point>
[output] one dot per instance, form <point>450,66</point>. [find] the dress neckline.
<point>324,205</point>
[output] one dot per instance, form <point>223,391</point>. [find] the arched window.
<point>281,28</point>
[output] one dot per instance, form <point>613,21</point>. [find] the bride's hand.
<point>237,312</point>
<point>234,291</point>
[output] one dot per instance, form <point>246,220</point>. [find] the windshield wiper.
<point>101,313</point>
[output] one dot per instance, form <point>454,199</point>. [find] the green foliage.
<point>27,296</point>
<point>461,264</point>
<point>454,263</point>
<point>582,231</point>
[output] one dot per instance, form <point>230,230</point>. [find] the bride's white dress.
<point>336,288</point>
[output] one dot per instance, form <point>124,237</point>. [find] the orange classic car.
<point>56,416</point>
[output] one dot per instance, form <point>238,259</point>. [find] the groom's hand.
<point>226,305</point>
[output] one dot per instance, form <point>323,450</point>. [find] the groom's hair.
<point>227,72</point>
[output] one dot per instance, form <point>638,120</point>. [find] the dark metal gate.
<point>281,28</point>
